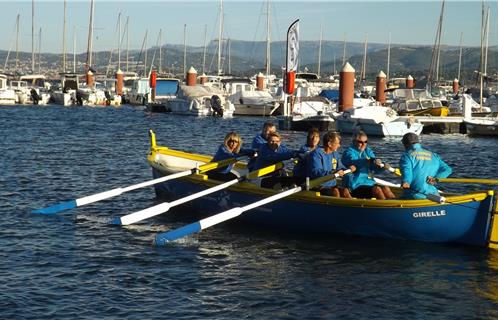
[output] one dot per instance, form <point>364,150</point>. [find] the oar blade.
<point>56,208</point>
<point>195,227</point>
<point>162,239</point>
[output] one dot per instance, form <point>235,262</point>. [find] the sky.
<point>406,22</point>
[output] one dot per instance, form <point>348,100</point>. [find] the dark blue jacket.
<point>223,153</point>
<point>267,156</point>
<point>322,164</point>
<point>301,165</point>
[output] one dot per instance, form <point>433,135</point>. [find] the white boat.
<point>139,92</point>
<point>7,96</point>
<point>41,87</point>
<point>248,101</point>
<point>66,94</point>
<point>457,106</point>
<point>166,90</point>
<point>482,127</point>
<point>376,120</point>
<point>200,100</point>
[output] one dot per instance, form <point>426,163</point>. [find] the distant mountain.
<point>248,58</point>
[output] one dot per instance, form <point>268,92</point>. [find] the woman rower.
<point>230,148</point>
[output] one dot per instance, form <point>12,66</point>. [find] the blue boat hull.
<point>467,223</point>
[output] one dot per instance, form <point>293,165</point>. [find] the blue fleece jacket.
<point>321,164</point>
<point>416,164</point>
<point>363,161</point>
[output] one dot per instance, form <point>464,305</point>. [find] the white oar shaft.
<point>203,193</point>
<point>158,180</point>
<point>163,207</point>
<point>99,196</point>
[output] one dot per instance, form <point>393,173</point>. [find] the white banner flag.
<point>293,47</point>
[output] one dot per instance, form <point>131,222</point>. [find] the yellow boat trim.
<point>493,237</point>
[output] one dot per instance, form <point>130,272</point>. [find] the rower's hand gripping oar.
<point>163,238</point>
<point>165,206</point>
<point>56,208</point>
<point>433,197</point>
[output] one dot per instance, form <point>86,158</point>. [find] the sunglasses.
<point>362,142</point>
<point>234,141</point>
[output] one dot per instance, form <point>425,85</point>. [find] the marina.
<point>280,163</point>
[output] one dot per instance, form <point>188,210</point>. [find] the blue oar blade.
<point>172,235</point>
<point>56,208</point>
<point>116,221</point>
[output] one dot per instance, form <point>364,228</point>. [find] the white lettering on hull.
<point>429,214</point>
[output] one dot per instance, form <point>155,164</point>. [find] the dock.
<point>433,124</point>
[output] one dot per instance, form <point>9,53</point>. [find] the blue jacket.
<point>258,141</point>
<point>301,165</point>
<point>416,164</point>
<point>267,156</point>
<point>321,164</point>
<point>223,153</point>
<point>363,161</point>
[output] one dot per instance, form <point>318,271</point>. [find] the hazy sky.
<point>409,22</point>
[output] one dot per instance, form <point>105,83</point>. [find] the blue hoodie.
<point>416,164</point>
<point>301,165</point>
<point>223,153</point>
<point>267,156</point>
<point>322,164</point>
<point>363,161</point>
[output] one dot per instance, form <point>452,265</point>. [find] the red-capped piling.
<point>119,82</point>
<point>152,84</point>
<point>410,82</point>
<point>191,77</point>
<point>203,79</point>
<point>346,87</point>
<point>380,86</point>
<point>89,79</point>
<point>290,82</point>
<point>260,82</point>
<point>455,86</point>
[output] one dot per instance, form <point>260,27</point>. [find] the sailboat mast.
<point>127,42</point>
<point>460,56</point>
<point>74,49</point>
<point>33,36</point>
<point>486,44</point>
<point>229,56</point>
<point>160,50</point>
<point>320,51</point>
<point>39,50</point>
<point>90,38</point>
<point>119,41</point>
<point>268,39</point>
<point>364,63</point>
<point>185,50</point>
<point>204,53</point>
<point>145,53</point>
<point>17,42</point>
<point>388,55</point>
<point>64,39</point>
<point>220,35</point>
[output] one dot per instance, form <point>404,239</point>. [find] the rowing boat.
<point>465,219</point>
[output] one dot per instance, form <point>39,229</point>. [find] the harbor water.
<point>74,265</point>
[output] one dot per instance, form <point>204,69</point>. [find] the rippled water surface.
<point>75,266</point>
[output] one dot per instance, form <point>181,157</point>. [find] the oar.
<point>117,191</point>
<point>195,227</point>
<point>433,197</point>
<point>165,206</point>
<point>468,180</point>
